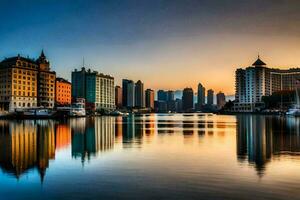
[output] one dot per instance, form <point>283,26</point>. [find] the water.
<point>151,157</point>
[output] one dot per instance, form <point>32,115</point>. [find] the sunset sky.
<point>168,44</point>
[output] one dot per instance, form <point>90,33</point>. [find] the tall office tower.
<point>210,97</point>
<point>139,94</point>
<point>96,88</point>
<point>170,95</point>
<point>221,100</point>
<point>162,95</point>
<point>149,94</point>
<point>118,96</point>
<point>187,99</point>
<point>128,93</point>
<point>200,96</point>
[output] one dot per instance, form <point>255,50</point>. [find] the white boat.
<point>77,109</point>
<point>38,112</point>
<point>293,112</point>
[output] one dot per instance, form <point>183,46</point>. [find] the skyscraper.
<point>187,99</point>
<point>170,95</point>
<point>162,95</point>
<point>149,94</point>
<point>118,96</point>
<point>200,96</point>
<point>210,97</point>
<point>220,100</point>
<point>128,87</point>
<point>139,94</point>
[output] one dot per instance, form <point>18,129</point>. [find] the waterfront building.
<point>210,97</point>
<point>170,95</point>
<point>78,83</point>
<point>149,94</point>
<point>200,96</point>
<point>62,92</point>
<point>187,99</point>
<point>26,83</point>
<point>139,94</point>
<point>118,96</point>
<point>258,80</point>
<point>162,95</point>
<point>128,92</point>
<point>96,88</point>
<point>220,100</point>
<point>178,105</point>
<point>161,106</point>
<point>46,83</point>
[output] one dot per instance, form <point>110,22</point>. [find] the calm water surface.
<point>151,157</point>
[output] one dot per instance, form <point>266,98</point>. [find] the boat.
<point>118,113</point>
<point>35,113</point>
<point>78,109</point>
<point>293,112</point>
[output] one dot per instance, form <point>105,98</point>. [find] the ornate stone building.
<point>26,83</point>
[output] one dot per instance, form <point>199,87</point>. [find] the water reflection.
<point>26,145</point>
<point>261,138</point>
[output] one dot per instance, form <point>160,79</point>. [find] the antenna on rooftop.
<point>82,61</point>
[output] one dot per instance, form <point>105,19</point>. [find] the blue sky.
<point>168,44</point>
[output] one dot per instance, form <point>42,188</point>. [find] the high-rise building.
<point>62,92</point>
<point>200,96</point>
<point>149,94</point>
<point>26,83</point>
<point>256,81</point>
<point>221,100</point>
<point>139,94</point>
<point>128,93</point>
<point>170,95</point>
<point>187,99</point>
<point>210,97</point>
<point>96,88</point>
<point>162,95</point>
<point>118,96</point>
<point>78,83</point>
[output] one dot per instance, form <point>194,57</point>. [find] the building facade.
<point>26,83</point>
<point>118,96</point>
<point>200,96</point>
<point>46,83</point>
<point>187,100</point>
<point>149,99</point>
<point>221,100</point>
<point>97,89</point>
<point>210,97</point>
<point>256,81</point>
<point>62,92</point>
<point>128,93</point>
<point>139,94</point>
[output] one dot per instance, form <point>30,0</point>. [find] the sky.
<point>168,44</point>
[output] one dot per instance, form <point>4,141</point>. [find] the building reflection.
<point>26,145</point>
<point>92,137</point>
<point>259,138</point>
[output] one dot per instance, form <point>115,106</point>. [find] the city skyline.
<point>137,40</point>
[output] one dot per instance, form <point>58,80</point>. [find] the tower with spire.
<point>44,64</point>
